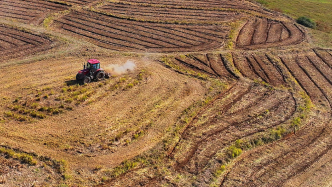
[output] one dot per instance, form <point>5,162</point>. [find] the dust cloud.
<point>117,69</point>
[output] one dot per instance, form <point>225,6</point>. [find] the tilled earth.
<point>224,93</point>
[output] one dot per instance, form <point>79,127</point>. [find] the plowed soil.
<point>17,43</point>
<point>190,113</point>
<point>261,33</point>
<point>125,35</point>
<point>169,14</point>
<point>28,11</point>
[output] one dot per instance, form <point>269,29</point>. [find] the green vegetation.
<point>306,22</point>
<point>220,170</point>
<point>235,150</point>
<point>23,157</point>
<point>318,11</point>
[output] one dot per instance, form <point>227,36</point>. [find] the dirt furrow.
<point>304,81</point>
<point>274,33</point>
<point>260,34</point>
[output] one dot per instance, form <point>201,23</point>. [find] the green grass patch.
<point>23,157</point>
<point>319,11</point>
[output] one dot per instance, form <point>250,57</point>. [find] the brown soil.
<point>17,43</point>
<point>256,115</point>
<point>125,35</point>
<point>28,11</point>
<point>146,12</point>
<point>261,33</point>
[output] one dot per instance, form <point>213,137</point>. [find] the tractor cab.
<point>92,64</point>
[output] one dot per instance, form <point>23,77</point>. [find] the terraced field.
<point>199,4</point>
<point>260,33</point>
<point>28,11</point>
<point>166,14</point>
<point>126,35</point>
<point>223,93</point>
<point>17,43</point>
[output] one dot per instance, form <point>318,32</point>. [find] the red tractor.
<point>91,71</point>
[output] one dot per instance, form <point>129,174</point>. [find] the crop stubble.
<point>126,35</point>
<point>17,43</point>
<point>28,11</point>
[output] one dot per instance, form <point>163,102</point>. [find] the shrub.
<point>70,88</point>
<point>104,179</point>
<point>76,93</point>
<point>219,171</point>
<point>130,85</point>
<point>278,133</point>
<point>234,151</point>
<point>21,118</point>
<point>34,105</point>
<point>50,109</point>
<point>83,98</point>
<point>62,166</point>
<point>16,107</point>
<point>135,82</point>
<point>66,176</point>
<point>33,113</point>
<point>42,108</point>
<point>116,86</point>
<point>306,22</point>
<point>27,159</point>
<point>56,111</point>
<point>122,79</point>
<point>69,100</point>
<point>24,158</point>
<point>296,122</point>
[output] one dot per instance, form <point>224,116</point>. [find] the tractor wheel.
<point>100,75</point>
<point>79,77</point>
<point>86,79</point>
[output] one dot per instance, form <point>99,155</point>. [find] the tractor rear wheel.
<point>100,75</point>
<point>79,76</point>
<point>86,80</point>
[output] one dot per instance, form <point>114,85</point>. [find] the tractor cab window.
<point>92,66</point>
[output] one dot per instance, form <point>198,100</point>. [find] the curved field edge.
<point>166,166</point>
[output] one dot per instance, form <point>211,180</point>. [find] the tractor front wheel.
<point>100,75</point>
<point>86,80</point>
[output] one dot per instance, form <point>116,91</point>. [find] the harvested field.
<point>313,73</point>
<point>259,67</point>
<point>199,4</point>
<point>77,2</point>
<point>187,112</point>
<point>290,162</point>
<point>28,11</point>
<point>262,33</point>
<point>241,112</point>
<point>255,67</point>
<point>18,43</point>
<point>160,14</point>
<point>126,35</point>
<point>25,173</point>
<point>211,64</point>
<point>137,126</point>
